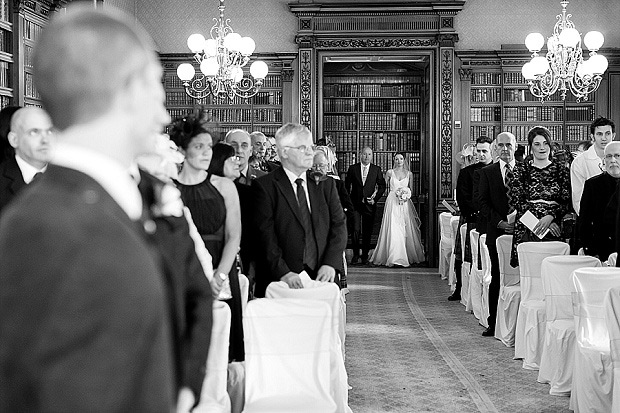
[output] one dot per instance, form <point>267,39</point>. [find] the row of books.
<point>580,113</point>
<point>385,160</point>
<point>29,90</point>
<point>171,80</point>
<point>489,78</point>
<point>389,121</point>
<point>390,141</point>
<point>268,115</point>
<point>489,94</point>
<point>178,98</point>
<point>521,131</point>
<point>577,132</point>
<point>534,113</point>
<point>339,122</point>
<point>485,114</point>
<point>4,11</point>
<point>390,105</point>
<point>228,115</point>
<point>514,78</point>
<point>5,101</point>
<point>6,41</point>
<point>272,97</point>
<point>340,105</point>
<point>486,130</point>
<point>372,79</point>
<point>363,90</point>
<point>525,95</point>
<point>6,80</point>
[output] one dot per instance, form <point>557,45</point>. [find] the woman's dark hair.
<point>183,130</point>
<point>398,153</point>
<point>6,114</point>
<point>542,131</point>
<point>221,152</point>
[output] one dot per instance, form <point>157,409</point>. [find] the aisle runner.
<point>478,395</point>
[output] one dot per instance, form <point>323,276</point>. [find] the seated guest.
<point>542,187</point>
<point>598,215</point>
<point>253,162</point>
<point>214,204</point>
<point>32,139</point>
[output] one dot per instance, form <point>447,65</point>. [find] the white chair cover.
<point>330,294</point>
<point>593,371</point>
<point>485,261</point>
<point>612,317</point>
<point>509,293</point>
<point>445,244</point>
<point>454,227</point>
<point>475,277</point>
<point>611,261</point>
<point>465,268</point>
<point>287,350</point>
<point>214,397</point>
<point>557,358</point>
<point>244,286</point>
<point>530,330</point>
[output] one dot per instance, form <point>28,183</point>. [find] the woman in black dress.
<point>214,204</point>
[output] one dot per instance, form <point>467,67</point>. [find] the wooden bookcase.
<point>382,110</point>
<point>265,112</point>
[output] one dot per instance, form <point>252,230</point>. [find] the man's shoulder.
<point>489,168</point>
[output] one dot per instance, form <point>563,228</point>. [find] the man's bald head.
<point>32,136</point>
<point>240,140</point>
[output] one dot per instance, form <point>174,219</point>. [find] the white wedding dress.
<point>399,241</point>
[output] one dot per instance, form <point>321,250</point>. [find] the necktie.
<point>310,249</point>
<point>364,174</point>
<point>507,183</point>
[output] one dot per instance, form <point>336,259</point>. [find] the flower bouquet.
<point>403,195</point>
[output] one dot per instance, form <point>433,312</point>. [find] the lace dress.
<point>209,214</point>
<point>399,241</point>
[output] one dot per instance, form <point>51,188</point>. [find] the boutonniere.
<point>167,202</point>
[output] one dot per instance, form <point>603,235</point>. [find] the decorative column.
<point>446,115</point>
<point>287,94</point>
<point>307,63</point>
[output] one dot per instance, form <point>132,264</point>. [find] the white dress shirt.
<point>28,171</point>
<point>584,167</point>
<point>365,169</point>
<point>502,168</point>
<point>292,177</point>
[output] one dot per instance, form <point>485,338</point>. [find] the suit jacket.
<point>465,192</point>
<point>493,200</point>
<point>481,224</point>
<point>251,175</point>
<point>190,299</point>
<point>11,181</point>
<point>277,218</point>
<point>83,308</point>
<point>597,217</point>
<point>345,198</point>
<point>360,191</point>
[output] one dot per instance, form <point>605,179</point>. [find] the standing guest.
<point>260,145</point>
<point>365,183</point>
<point>590,162</point>
<point>583,146</point>
<point>598,207</point>
<point>6,114</point>
<point>290,206</point>
<point>494,181</point>
<point>240,140</point>
<point>85,324</point>
<point>214,204</point>
<point>31,137</point>
<point>468,207</point>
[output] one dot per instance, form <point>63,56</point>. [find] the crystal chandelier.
<point>563,68</point>
<point>221,59</point>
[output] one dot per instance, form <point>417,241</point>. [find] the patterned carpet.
<point>408,349</point>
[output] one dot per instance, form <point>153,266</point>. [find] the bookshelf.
<point>264,112</point>
<point>381,109</point>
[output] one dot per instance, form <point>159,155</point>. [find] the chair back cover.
<point>485,259</point>
<point>612,316</point>
<point>531,255</point>
<point>611,260</point>
<point>556,273</point>
<point>244,287</point>
<point>463,233</point>
<point>444,225</point>
<point>287,350</point>
<point>474,239</point>
<point>508,275</point>
<point>591,286</point>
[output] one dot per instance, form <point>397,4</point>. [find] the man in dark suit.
<point>467,206</point>
<point>493,201</point>
<point>85,323</point>
<point>365,183</point>
<point>598,207</point>
<point>32,139</point>
<point>260,144</point>
<point>300,221</point>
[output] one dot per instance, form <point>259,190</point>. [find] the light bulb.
<point>570,37</point>
<point>259,69</point>
<point>552,43</point>
<point>593,40</point>
<point>196,42</point>
<point>598,64</point>
<point>540,65</point>
<point>209,67</point>
<point>185,71</point>
<point>528,72</point>
<point>236,74</point>
<point>247,46</point>
<point>210,47</point>
<point>534,42</point>
<point>232,42</point>
<point>582,70</point>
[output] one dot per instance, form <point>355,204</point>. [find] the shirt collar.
<point>115,179</point>
<point>28,171</point>
<point>502,164</point>
<point>246,170</point>
<point>292,177</point>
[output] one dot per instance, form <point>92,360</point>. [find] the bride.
<point>399,241</point>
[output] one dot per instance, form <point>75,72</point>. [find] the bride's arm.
<point>411,182</point>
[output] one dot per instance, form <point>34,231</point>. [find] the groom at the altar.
<point>366,184</point>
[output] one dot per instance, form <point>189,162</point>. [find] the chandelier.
<point>221,60</point>
<point>564,68</point>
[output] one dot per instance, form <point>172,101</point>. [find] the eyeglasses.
<point>303,148</point>
<point>234,158</point>
<point>39,133</point>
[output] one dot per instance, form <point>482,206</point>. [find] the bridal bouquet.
<point>403,194</point>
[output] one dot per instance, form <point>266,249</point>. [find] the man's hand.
<point>292,279</point>
<point>506,227</point>
<point>370,201</point>
<point>186,400</point>
<point>326,273</point>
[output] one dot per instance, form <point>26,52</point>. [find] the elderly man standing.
<point>241,141</point>
<point>300,221</point>
<point>85,324</point>
<point>598,207</point>
<point>32,138</point>
<point>260,144</point>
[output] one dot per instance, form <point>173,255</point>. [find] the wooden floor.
<point>408,349</point>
